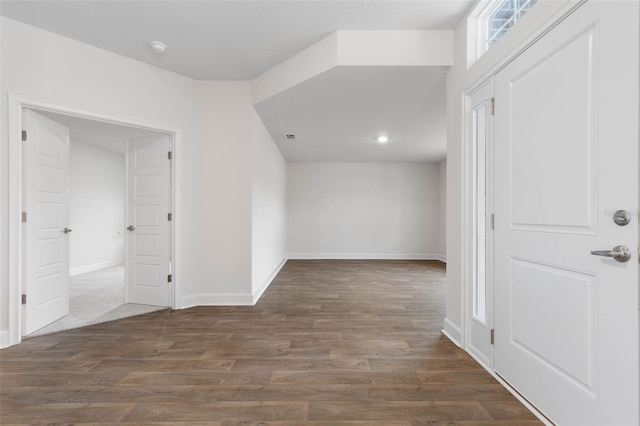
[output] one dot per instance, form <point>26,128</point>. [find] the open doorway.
<point>87,186</point>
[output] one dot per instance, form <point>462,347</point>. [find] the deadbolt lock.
<point>622,217</point>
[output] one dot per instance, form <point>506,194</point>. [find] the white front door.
<point>480,134</point>
<point>566,153</point>
<point>149,229</point>
<point>46,233</point>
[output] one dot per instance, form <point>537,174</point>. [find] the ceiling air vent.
<point>290,137</point>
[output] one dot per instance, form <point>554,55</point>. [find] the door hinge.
<point>24,217</point>
<point>24,299</point>
<point>493,336</point>
<point>24,135</point>
<point>493,221</point>
<point>170,155</point>
<point>493,106</point>
<point>169,216</point>
<point>169,278</point>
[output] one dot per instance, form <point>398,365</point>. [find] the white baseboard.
<point>364,256</point>
<point>441,258</point>
<point>258,293</point>
<point>4,339</point>
<point>452,332</point>
<point>95,267</point>
<point>216,299</point>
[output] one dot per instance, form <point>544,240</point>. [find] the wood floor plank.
<point>220,411</point>
<point>337,377</point>
<point>460,377</point>
<point>151,366</point>
<point>397,410</point>
<point>300,364</point>
<point>61,413</point>
<point>209,378</point>
<point>329,343</point>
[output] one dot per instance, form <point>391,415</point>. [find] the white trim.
<point>441,257</point>
<point>470,256</point>
<point>258,293</point>
<point>533,26</point>
<point>14,109</point>
<point>216,299</point>
<point>365,256</point>
<point>452,332</point>
<point>477,29</point>
<point>461,327</point>
<point>95,267</point>
<point>15,105</point>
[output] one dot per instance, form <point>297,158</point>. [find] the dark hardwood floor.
<point>330,342</point>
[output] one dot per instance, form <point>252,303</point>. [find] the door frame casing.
<point>470,157</point>
<point>551,18</point>
<point>15,108</point>
<point>478,73</point>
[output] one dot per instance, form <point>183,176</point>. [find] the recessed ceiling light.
<point>383,139</point>
<point>158,46</point>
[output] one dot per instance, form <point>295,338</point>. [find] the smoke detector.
<point>158,46</point>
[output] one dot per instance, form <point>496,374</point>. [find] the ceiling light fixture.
<point>158,46</point>
<point>383,139</point>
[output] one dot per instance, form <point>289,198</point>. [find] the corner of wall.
<point>268,208</point>
<point>452,332</point>
<point>4,339</point>
<point>267,282</point>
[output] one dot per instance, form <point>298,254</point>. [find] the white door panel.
<point>148,203</point>
<point>46,202</point>
<point>566,135</point>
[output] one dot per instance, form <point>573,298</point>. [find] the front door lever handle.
<point>619,253</point>
<point>131,228</point>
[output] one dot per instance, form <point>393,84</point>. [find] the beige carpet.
<point>96,297</point>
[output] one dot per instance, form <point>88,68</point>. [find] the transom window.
<point>490,20</point>
<point>505,14</point>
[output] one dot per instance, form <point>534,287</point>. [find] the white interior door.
<point>566,143</point>
<point>479,135</point>
<point>46,234</point>
<point>148,239</point>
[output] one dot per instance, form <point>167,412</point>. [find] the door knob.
<point>619,253</point>
<point>131,227</point>
<point>66,230</point>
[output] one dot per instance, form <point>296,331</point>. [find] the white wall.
<point>442,210</point>
<point>223,176</point>
<point>362,210</point>
<point>96,208</point>
<point>269,209</point>
<point>213,153</point>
